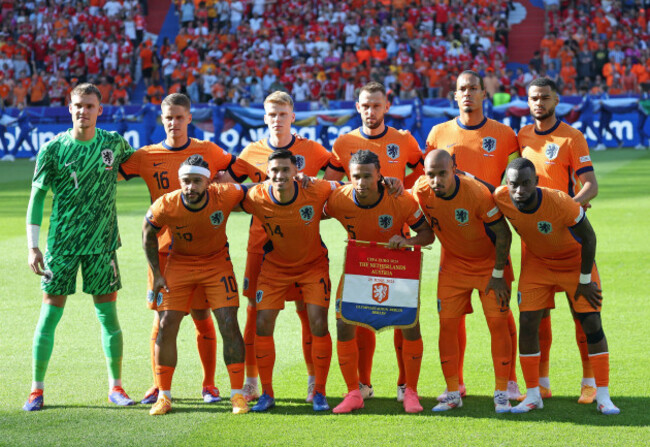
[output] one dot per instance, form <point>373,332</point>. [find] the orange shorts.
<point>538,284</point>
<point>199,301</point>
<point>215,279</point>
<point>455,294</point>
<point>274,287</point>
<point>253,267</point>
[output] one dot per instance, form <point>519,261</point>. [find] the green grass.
<point>77,412</point>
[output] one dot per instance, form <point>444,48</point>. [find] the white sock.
<point>114,382</point>
<point>251,381</point>
<point>311,380</point>
<point>453,394</point>
<point>233,392</point>
<point>589,381</point>
<point>167,393</point>
<point>533,394</point>
<point>38,386</point>
<point>602,394</point>
<point>545,382</point>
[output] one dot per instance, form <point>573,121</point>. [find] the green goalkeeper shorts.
<point>100,273</point>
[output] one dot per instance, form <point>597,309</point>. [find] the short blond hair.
<point>86,89</point>
<point>279,97</point>
<point>176,99</point>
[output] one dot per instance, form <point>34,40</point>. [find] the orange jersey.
<point>311,157</point>
<point>158,165</point>
<point>483,150</point>
<point>292,228</point>
<point>396,150</point>
<point>461,223</point>
<point>197,234</point>
<point>378,222</point>
<point>546,231</point>
<point>560,155</point>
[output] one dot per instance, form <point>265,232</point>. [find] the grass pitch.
<point>77,412</point>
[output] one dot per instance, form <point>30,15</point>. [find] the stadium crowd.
<point>239,51</point>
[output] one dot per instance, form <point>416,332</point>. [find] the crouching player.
<point>369,213</point>
<point>196,215</point>
<point>559,247</point>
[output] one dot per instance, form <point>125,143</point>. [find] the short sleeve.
<point>489,212</point>
<point>222,160</point>
<point>571,211</point>
<point>45,168</point>
<point>580,159</point>
<point>415,217</point>
<point>335,161</point>
<point>126,151</point>
<point>415,154</point>
<point>431,140</point>
<point>512,148</point>
<point>131,167</point>
<point>240,169</point>
<point>156,213</point>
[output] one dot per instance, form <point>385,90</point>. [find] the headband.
<point>191,169</point>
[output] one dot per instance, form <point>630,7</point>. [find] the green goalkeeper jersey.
<point>83,179</point>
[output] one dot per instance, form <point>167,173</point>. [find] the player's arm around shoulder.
<point>416,221</point>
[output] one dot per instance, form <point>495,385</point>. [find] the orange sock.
<point>581,339</point>
<point>412,356</point>
<point>348,354</point>
<point>265,356</point>
<point>236,375</point>
<point>206,341</point>
<point>600,365</point>
<point>164,376</point>
<point>306,340</point>
<point>366,342</point>
<point>545,340</point>
<point>501,351</point>
<point>322,355</point>
<point>448,347</point>
<point>530,368</point>
<point>512,327</point>
<point>462,344</point>
<point>249,341</point>
<point>154,336</point>
<point>398,341</point>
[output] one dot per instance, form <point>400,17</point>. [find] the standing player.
<point>397,150</point>
<point>80,167</point>
<point>158,166</point>
<point>561,157</point>
<point>482,148</point>
<point>295,256</point>
<point>311,157</point>
<point>369,213</point>
<point>197,213</point>
<point>475,243</point>
<point>550,224</point>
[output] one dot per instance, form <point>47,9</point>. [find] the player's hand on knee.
<point>397,242</point>
<point>591,293</point>
<point>35,260</point>
<point>159,284</point>
<point>394,185</point>
<point>304,180</point>
<point>500,289</point>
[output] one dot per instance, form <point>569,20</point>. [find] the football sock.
<point>398,341</point>
<point>545,341</point>
<point>412,352</point>
<point>112,340</point>
<point>164,375</point>
<point>530,368</point>
<point>512,327</point>
<point>154,336</point>
<point>366,342</point>
<point>501,351</point>
<point>236,375</point>
<point>581,339</point>
<point>306,340</point>
<point>348,354</point>
<point>265,356</point>
<point>600,364</point>
<point>249,341</point>
<point>448,347</point>
<point>462,344</point>
<point>206,341</point>
<point>322,355</point>
<point>44,340</point>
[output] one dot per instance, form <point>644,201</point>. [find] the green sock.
<point>112,340</point>
<point>44,340</point>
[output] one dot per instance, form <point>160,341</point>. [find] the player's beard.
<point>548,114</point>
<point>525,205</point>
<point>376,124</point>
<point>195,201</point>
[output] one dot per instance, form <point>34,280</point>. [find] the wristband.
<point>32,235</point>
<point>585,278</point>
<point>496,273</point>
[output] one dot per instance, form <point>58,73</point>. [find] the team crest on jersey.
<point>300,162</point>
<point>385,221</point>
<point>307,213</point>
<point>380,292</point>
<point>392,150</point>
<point>216,218</point>
<point>544,227</point>
<point>258,296</point>
<point>551,151</point>
<point>461,215</point>
<point>108,158</point>
<point>489,144</point>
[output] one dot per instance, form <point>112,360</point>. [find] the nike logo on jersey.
<point>349,217</point>
<point>179,227</point>
<point>158,164</point>
<point>450,145</point>
<point>268,217</point>
<point>69,163</point>
<point>428,207</point>
<point>228,298</point>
